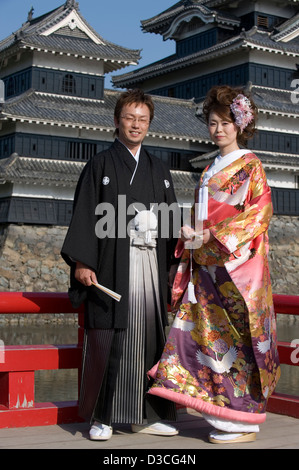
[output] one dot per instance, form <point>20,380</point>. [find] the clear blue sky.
<point>117,21</point>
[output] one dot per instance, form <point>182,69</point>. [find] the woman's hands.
<point>187,234</point>
<point>207,236</point>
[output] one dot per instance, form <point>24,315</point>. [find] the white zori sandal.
<point>221,437</point>
<point>100,432</point>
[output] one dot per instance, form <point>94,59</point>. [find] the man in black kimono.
<point>117,238</point>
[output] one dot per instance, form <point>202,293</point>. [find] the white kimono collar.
<point>136,157</point>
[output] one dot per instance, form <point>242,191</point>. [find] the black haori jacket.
<point>104,179</point>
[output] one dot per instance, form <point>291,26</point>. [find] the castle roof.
<point>20,169</point>
<point>270,160</point>
<point>17,169</point>
<point>275,101</point>
<point>66,32</point>
<point>246,40</point>
<point>287,30</point>
<point>207,10</point>
<point>167,22</point>
<point>270,101</point>
<point>59,110</point>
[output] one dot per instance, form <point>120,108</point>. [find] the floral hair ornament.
<point>242,111</point>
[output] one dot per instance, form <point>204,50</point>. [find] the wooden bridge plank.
<point>278,432</point>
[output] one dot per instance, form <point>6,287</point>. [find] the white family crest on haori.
<point>218,366</point>
<point>106,180</point>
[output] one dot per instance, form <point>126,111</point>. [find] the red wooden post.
<point>17,389</point>
<point>18,364</point>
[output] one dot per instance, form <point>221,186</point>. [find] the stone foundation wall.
<point>31,261</point>
<point>284,254</point>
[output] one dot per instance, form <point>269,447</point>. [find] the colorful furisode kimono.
<point>220,357</point>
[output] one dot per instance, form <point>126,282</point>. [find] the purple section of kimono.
<point>208,361</point>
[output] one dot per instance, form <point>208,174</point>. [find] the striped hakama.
<point>116,361</point>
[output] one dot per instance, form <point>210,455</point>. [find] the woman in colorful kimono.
<point>220,357</point>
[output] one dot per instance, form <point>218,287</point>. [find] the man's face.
<point>133,125</point>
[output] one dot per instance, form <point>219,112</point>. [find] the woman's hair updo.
<point>219,100</point>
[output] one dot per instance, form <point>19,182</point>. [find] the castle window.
<point>175,160</point>
<point>81,150</point>
<point>11,87</point>
<point>263,21</point>
<point>68,84</point>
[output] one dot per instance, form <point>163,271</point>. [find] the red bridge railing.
<point>288,351</point>
<point>19,363</point>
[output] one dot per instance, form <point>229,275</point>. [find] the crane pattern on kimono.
<point>218,366</point>
<point>182,324</point>
<point>264,346</point>
<point>233,199</point>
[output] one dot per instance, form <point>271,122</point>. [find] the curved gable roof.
<point>66,31</point>
<point>169,21</point>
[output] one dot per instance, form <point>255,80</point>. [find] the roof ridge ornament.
<point>71,4</point>
<point>30,14</point>
<point>248,33</point>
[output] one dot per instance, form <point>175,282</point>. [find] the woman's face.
<point>223,133</point>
